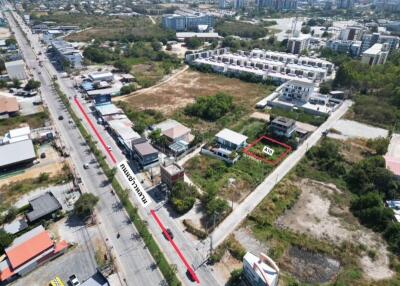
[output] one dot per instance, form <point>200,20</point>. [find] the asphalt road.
<point>189,248</point>
<point>134,262</point>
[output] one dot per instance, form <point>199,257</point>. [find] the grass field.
<point>34,121</point>
<point>185,87</point>
<point>233,182</point>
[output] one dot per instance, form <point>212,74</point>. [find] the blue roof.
<point>87,85</point>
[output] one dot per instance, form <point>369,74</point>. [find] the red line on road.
<point>95,131</point>
<point>153,213</point>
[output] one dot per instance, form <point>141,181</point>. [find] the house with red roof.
<point>28,252</point>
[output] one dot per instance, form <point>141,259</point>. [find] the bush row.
<point>201,234</point>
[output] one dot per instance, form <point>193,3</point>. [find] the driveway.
<point>352,129</point>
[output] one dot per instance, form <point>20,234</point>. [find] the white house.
<point>230,139</point>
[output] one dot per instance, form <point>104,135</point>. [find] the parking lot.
<point>79,260</point>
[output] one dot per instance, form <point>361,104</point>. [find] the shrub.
<point>211,108</point>
<point>84,206</point>
<point>201,234</point>
<point>182,197</point>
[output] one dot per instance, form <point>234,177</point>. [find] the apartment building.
<point>368,40</point>
<point>376,55</point>
<point>65,52</point>
<point>187,22</point>
<point>278,5</point>
<point>296,45</point>
<point>266,65</point>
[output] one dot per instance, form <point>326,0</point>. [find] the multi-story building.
<point>187,22</point>
<point>345,47</point>
<point>376,55</point>
<point>278,5</point>
<point>368,40</point>
<point>392,41</point>
<point>260,271</point>
<point>67,53</point>
<point>344,4</point>
<point>265,65</point>
<point>298,90</point>
<point>351,33</point>
<point>296,45</point>
<point>282,126</point>
<point>222,4</point>
<point>238,4</point>
<point>171,174</point>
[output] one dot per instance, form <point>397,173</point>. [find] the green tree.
<point>306,29</point>
<point>11,41</point>
<point>211,107</point>
<point>84,206</point>
<point>126,89</point>
<point>158,139</point>
<point>16,83</point>
<point>5,239</point>
<point>122,65</point>
<point>32,84</point>
<point>183,197</point>
<point>193,43</point>
<point>156,45</point>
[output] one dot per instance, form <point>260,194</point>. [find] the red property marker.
<point>95,131</point>
<point>195,278</point>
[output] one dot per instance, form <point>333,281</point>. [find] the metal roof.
<point>231,136</point>
<point>145,149</point>
<point>42,206</point>
<point>16,152</point>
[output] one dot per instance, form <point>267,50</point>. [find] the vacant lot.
<point>315,214</point>
<point>186,86</point>
<point>233,182</point>
<point>34,121</point>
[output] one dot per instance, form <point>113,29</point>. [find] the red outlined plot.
<point>189,269</point>
<point>248,151</point>
<point>95,131</point>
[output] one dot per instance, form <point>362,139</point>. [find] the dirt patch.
<point>312,214</point>
<point>309,267</point>
<point>227,264</point>
<point>186,86</point>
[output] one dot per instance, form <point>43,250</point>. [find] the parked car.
<point>74,280</point>
<point>60,117</point>
<point>171,235</point>
<point>85,166</point>
<point>43,155</point>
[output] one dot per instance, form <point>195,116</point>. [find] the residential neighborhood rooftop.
<point>231,136</point>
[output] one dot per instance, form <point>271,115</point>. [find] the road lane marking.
<point>134,183</point>
<point>153,213</point>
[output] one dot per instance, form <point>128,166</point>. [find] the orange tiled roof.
<point>5,274</point>
<point>29,249</point>
<point>8,104</point>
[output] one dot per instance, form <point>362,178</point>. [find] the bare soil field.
<point>315,214</point>
<point>186,86</point>
<point>310,267</point>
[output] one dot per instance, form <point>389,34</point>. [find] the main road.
<point>187,245</point>
<point>134,262</point>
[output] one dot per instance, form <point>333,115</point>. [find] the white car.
<point>74,280</point>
